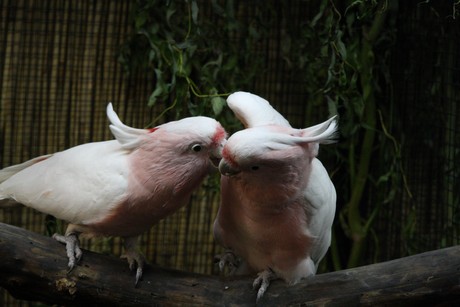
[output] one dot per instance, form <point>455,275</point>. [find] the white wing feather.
<point>321,199</point>
<point>7,172</point>
<point>79,185</point>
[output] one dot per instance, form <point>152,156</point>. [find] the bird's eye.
<point>197,148</point>
<point>254,168</point>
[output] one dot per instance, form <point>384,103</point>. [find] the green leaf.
<point>331,106</point>
<point>160,89</point>
<point>152,55</point>
<point>217,104</point>
<point>341,46</point>
<point>231,63</point>
<point>195,11</point>
<point>141,19</point>
<point>253,32</point>
<point>170,11</point>
<point>154,96</point>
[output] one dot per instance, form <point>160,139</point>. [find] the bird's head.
<point>189,140</point>
<point>198,136</point>
<point>266,167</point>
<point>258,152</point>
<point>270,150</point>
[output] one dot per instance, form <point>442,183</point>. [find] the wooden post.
<point>34,267</point>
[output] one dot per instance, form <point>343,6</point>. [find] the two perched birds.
<point>277,201</point>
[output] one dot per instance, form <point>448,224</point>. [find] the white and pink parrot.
<point>120,187</point>
<point>277,200</point>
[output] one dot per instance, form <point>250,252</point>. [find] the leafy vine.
<point>197,58</point>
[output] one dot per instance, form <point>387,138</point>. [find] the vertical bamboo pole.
<point>358,227</point>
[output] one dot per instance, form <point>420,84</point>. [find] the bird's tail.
<point>7,172</point>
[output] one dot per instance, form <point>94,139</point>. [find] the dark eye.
<point>254,168</point>
<point>197,147</point>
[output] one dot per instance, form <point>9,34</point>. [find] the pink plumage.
<point>120,187</point>
<point>277,201</point>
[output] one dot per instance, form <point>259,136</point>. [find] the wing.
<point>77,185</point>
<point>320,199</point>
<point>254,111</point>
<point>320,193</point>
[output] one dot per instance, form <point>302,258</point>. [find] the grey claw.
<point>70,268</point>
<point>135,261</point>
<point>72,246</point>
<point>263,281</point>
<point>228,259</point>
<point>138,275</point>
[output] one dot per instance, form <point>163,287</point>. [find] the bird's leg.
<point>229,259</point>
<point>134,256</point>
<point>263,281</point>
<point>72,246</point>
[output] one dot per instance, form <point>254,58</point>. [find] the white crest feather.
<point>324,133</point>
<point>254,111</point>
<point>127,136</point>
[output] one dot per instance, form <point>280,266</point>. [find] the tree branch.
<point>33,267</point>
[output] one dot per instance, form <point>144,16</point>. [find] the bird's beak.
<point>216,154</point>
<point>226,169</point>
<point>215,160</point>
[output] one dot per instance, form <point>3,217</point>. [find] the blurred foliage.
<point>347,67</point>
<point>197,58</point>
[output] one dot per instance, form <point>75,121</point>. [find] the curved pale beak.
<point>215,160</point>
<point>216,154</point>
<point>226,169</point>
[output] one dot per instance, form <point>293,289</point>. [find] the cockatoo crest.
<point>197,125</point>
<point>254,111</point>
<point>128,137</point>
<point>257,141</point>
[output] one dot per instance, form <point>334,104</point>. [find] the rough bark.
<point>33,267</point>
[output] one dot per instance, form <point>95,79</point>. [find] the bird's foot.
<point>72,246</point>
<point>136,260</point>
<point>227,259</point>
<point>262,282</point>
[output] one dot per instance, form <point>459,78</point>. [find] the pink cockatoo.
<point>277,200</point>
<point>119,187</point>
